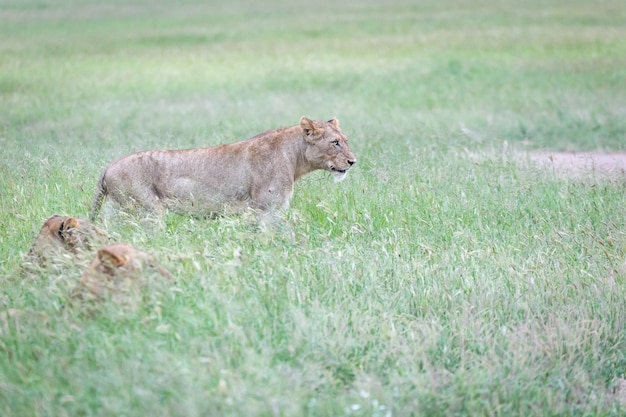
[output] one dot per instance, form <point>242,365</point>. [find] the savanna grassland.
<point>444,276</point>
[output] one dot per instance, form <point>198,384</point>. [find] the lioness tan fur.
<point>118,271</point>
<point>64,235</point>
<point>259,172</point>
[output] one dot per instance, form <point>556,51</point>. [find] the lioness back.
<point>258,172</point>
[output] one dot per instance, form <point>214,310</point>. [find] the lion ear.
<point>308,127</point>
<point>67,224</point>
<point>334,122</point>
<point>70,223</point>
<point>110,259</point>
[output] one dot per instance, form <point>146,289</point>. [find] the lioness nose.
<point>351,161</point>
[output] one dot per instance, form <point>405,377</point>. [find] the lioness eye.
<point>336,143</point>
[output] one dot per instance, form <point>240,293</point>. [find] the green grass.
<point>440,278</point>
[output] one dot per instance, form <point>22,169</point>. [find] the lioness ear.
<point>67,224</point>
<point>334,122</point>
<point>307,126</point>
<point>110,259</point>
<point>70,223</point>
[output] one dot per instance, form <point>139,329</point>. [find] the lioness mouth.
<point>339,174</point>
<point>333,168</point>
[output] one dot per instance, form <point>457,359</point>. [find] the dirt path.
<point>578,164</point>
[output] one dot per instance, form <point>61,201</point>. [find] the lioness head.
<point>328,147</point>
<point>118,270</point>
<point>64,234</point>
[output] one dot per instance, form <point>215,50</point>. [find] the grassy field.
<point>442,277</point>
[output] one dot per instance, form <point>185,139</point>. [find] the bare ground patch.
<point>582,164</point>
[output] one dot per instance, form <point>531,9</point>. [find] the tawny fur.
<point>259,172</point>
<point>64,236</point>
<point>117,271</point>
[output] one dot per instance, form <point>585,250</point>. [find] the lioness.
<point>118,271</point>
<point>64,235</point>
<point>258,172</point>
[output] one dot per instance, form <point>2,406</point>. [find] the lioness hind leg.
<point>144,209</point>
<point>138,200</point>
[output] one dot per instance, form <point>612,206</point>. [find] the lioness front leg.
<point>272,199</point>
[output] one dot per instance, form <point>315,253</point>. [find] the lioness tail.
<point>98,197</point>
